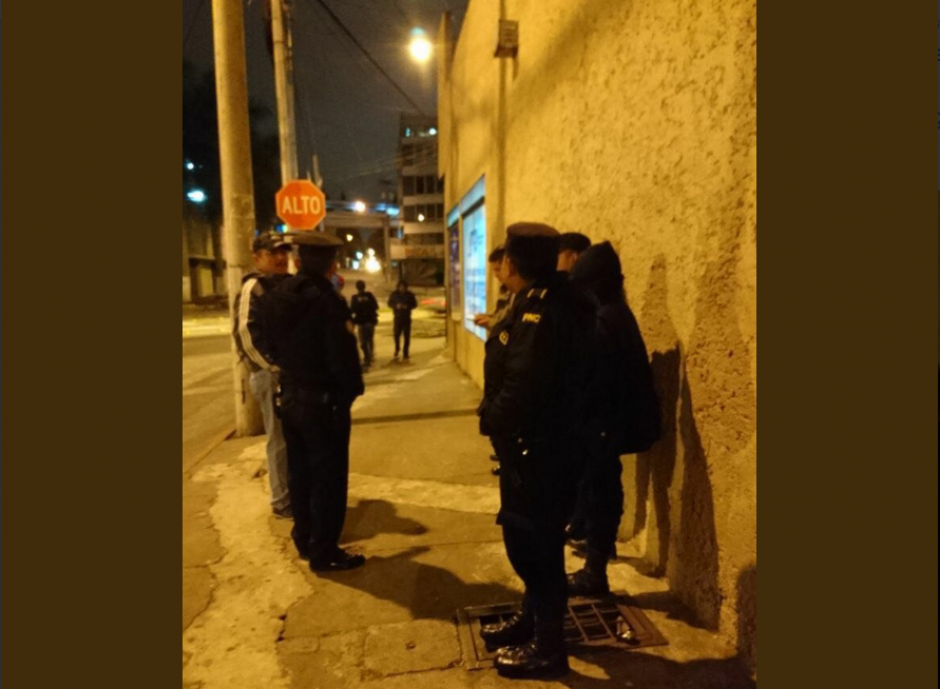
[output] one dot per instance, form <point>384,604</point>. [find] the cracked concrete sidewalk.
<point>422,507</point>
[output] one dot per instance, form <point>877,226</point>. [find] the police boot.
<point>545,657</point>
<point>592,580</point>
<point>518,629</point>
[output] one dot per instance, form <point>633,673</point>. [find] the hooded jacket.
<point>624,409</point>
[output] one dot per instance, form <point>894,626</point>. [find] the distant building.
<point>419,247</point>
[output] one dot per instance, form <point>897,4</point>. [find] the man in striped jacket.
<point>271,257</point>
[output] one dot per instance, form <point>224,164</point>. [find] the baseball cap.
<point>271,241</point>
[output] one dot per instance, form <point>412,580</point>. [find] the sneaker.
<point>339,560</point>
<point>283,512</point>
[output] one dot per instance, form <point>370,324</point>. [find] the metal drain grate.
<point>591,623</point>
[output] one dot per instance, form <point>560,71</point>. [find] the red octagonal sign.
<point>301,204</point>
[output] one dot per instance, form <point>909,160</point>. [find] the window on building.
<point>411,213</point>
<point>419,185</point>
<point>408,185</point>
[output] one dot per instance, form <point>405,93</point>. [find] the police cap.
<point>533,248</point>
<point>272,241</point>
<point>316,240</point>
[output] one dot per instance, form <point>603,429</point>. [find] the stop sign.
<point>301,204</point>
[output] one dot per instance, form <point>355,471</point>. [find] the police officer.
<point>533,409</point>
<point>314,345</point>
<point>623,411</point>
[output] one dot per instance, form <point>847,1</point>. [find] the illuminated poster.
<point>474,268</point>
<point>453,242</point>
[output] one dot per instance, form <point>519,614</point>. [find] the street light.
<point>359,207</point>
<point>420,47</point>
<point>197,196</point>
<point>349,237</point>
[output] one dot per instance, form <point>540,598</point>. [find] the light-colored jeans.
<point>263,385</point>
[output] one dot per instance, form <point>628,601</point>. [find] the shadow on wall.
<point>747,616</point>
<point>681,529</point>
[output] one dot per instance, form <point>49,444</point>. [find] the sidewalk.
<point>422,508</point>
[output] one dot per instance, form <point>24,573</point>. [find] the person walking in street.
<point>365,311</point>
<point>271,254</point>
<point>314,345</point>
<point>402,302</point>
<point>623,414</point>
<point>533,411</point>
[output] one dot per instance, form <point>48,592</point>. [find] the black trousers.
<point>317,436</point>
<point>538,557</point>
<point>367,341</point>
<point>402,327</point>
<point>602,492</point>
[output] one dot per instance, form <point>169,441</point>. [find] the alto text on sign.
<point>301,204</point>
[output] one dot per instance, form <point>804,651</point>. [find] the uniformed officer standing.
<point>314,345</point>
<point>533,409</point>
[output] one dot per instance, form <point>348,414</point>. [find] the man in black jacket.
<point>271,254</point>
<point>533,410</point>
<point>623,411</point>
<point>365,312</point>
<point>402,302</point>
<point>314,345</point>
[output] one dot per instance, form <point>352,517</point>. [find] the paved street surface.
<point>422,508</point>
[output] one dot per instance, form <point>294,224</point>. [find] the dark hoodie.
<point>625,416</point>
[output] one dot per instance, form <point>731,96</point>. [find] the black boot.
<point>518,629</point>
<point>592,580</point>
<point>545,657</point>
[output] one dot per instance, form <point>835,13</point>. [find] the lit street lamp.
<point>420,47</point>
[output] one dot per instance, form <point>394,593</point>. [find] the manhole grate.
<point>591,623</point>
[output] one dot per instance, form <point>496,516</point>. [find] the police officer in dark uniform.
<point>533,410</point>
<point>314,345</point>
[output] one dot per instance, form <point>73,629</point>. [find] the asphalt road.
<point>208,399</point>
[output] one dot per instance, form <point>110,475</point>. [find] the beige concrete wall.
<point>635,121</point>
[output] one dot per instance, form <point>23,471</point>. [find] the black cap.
<point>272,241</point>
<point>322,240</point>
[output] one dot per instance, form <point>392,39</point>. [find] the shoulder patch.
<point>531,317</point>
<point>504,337</point>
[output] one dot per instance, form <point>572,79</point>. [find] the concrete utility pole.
<point>284,88</point>
<point>238,203</point>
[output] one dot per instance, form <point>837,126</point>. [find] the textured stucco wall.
<point>636,122</point>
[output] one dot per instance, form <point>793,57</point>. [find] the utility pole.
<point>238,203</point>
<point>284,87</point>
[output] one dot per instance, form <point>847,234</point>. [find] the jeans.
<point>263,384</point>
<point>367,341</point>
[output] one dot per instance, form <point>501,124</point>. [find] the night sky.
<point>346,111</point>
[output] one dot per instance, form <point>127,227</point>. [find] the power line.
<point>362,49</point>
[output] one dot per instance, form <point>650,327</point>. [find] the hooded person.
<point>623,415</point>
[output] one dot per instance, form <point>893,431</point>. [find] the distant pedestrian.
<point>402,302</point>
<point>271,255</point>
<point>365,312</point>
<point>314,344</point>
<point>570,247</point>
<point>623,412</point>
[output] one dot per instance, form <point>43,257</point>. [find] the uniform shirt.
<point>312,339</point>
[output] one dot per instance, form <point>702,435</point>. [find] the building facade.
<point>633,122</point>
<point>419,248</point>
